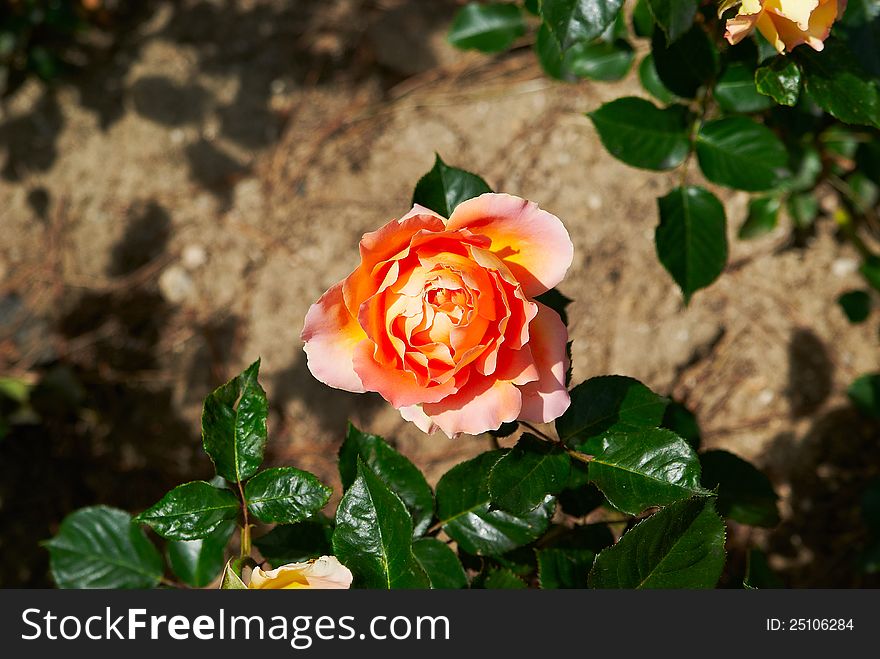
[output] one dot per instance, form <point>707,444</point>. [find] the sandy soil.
<point>169,215</point>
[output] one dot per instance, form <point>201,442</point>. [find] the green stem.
<point>246,527</point>
<point>577,455</point>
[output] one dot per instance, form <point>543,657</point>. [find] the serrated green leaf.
<point>675,17</point>
<point>373,536</point>
<point>525,475</point>
<point>564,568</point>
<point>608,403</point>
<point>652,83</point>
<point>489,28</point>
<point>762,218</point>
<point>296,543</point>
<point>691,239</point>
<point>642,135</point>
<point>681,546</point>
<point>234,425</point>
<point>397,472</point>
<point>285,495</point>
<point>780,80</point>
<point>741,154</point>
<point>199,562</point>
<point>503,579</point>
<point>100,547</point>
<point>464,509</point>
<point>735,90</point>
<point>578,21</point>
<point>865,394</point>
<point>191,511</point>
<point>744,493</point>
<point>687,64</point>
<point>653,467</point>
<point>445,187</point>
<point>856,305</point>
<point>599,60</point>
<point>440,563</point>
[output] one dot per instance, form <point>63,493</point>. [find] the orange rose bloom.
<point>785,23</point>
<point>439,317</point>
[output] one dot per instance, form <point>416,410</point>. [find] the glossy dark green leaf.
<point>100,547</point>
<point>296,543</point>
<point>780,80</point>
<point>641,134</point>
<point>445,187</point>
<point>579,497</point>
<point>680,420</point>
<point>836,81</point>
<point>199,562</point>
<point>646,468</point>
<point>608,403</point>
<point>682,546</point>
<point>762,218</point>
<point>234,425</point>
<point>578,21</point>
<point>464,508</point>
<point>285,495</point>
<point>373,536</point>
<point>691,239</point>
<point>856,305</point>
<point>599,60</point>
<point>191,511</point>
<point>503,579</point>
<point>440,563</point>
<point>489,28</point>
<point>686,64</point>
<point>759,575</point>
<point>745,494</point>
<point>803,208</point>
<point>642,19</point>
<point>735,90</point>
<point>865,394</point>
<point>524,477</point>
<point>652,83</point>
<point>398,473</point>
<point>564,568</point>
<point>675,17</point>
<point>741,154</point>
<point>550,55</point>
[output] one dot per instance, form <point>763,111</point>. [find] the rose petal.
<point>479,406</point>
<point>741,26</point>
<point>546,399</point>
<point>417,415</point>
<point>797,11</point>
<point>532,242</point>
<point>330,334</point>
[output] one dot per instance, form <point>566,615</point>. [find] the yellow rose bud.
<point>785,23</point>
<point>325,572</point>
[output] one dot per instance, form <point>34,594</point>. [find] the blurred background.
<point>179,181</point>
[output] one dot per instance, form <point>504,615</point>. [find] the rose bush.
<point>440,317</point>
<point>325,572</point>
<point>784,23</point>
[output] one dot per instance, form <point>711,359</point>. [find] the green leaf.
<point>601,60</point>
<point>642,135</point>
<point>231,579</point>
<point>653,467</point>
<point>373,536</point>
<point>735,91</point>
<point>190,511</point>
<point>868,159</point>
<point>865,394</point>
<point>856,305</point>
<point>680,420</point>
<point>780,80</point>
<point>556,301</point>
<point>396,471</point>
<point>759,574</point>
<point>503,579</point>
<point>803,209</point>
<point>524,476</point>
<point>234,425</point>
<point>745,494</point>
<point>652,83</point>
<point>642,19</point>
<point>762,218</point>
<point>564,568</point>
<point>691,239</point>
<point>870,270</point>
<point>687,64</point>
<point>533,7</point>
<point>296,543</point>
<point>675,17</point>
<point>608,403</point>
<point>440,563</point>
<point>839,85</point>
<point>464,509</point>
<point>580,497</point>
<point>100,547</point>
<point>489,28</point>
<point>594,537</point>
<point>549,55</point>
<point>285,495</point>
<point>198,562</point>
<point>576,21</point>
<point>741,154</point>
<point>681,546</point>
<point>445,187</point>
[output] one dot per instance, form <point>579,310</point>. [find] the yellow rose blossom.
<point>322,573</point>
<point>784,23</point>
